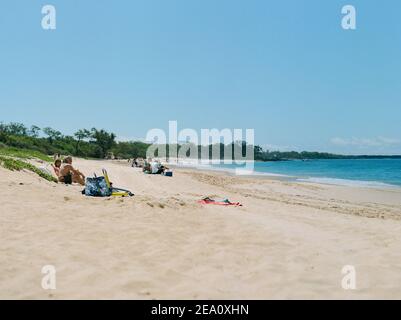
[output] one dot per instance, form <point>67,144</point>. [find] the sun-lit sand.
<point>289,240</point>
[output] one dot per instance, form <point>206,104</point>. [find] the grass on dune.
<point>18,165</point>
<point>23,154</point>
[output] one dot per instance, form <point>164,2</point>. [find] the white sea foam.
<point>236,170</point>
<point>349,183</point>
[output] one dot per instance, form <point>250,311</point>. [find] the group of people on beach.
<point>65,171</point>
<point>154,167</point>
<point>67,174</point>
<point>150,166</point>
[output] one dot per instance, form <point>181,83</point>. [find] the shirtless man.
<point>68,174</point>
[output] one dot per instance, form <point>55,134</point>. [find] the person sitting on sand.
<point>56,167</point>
<point>68,174</point>
<point>139,162</point>
<point>154,167</point>
<point>146,167</point>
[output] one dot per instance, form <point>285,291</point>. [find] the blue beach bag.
<point>97,187</point>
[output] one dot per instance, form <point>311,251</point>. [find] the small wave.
<point>239,171</point>
<point>349,183</point>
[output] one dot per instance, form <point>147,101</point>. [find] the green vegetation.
<point>19,141</point>
<point>12,158</point>
<point>16,140</point>
<point>305,155</point>
<point>23,153</point>
<point>18,165</point>
<point>84,143</point>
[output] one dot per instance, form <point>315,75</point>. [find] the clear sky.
<point>284,68</point>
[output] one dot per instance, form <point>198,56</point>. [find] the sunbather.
<point>223,202</point>
<point>68,174</point>
<point>56,167</point>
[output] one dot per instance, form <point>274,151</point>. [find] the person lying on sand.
<point>68,174</point>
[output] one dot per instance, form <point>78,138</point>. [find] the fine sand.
<point>289,240</point>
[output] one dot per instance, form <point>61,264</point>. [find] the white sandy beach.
<point>290,240</point>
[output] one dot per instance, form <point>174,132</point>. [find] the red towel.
<point>219,203</point>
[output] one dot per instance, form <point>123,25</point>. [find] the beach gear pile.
<point>223,202</point>
<point>102,187</point>
<point>167,173</point>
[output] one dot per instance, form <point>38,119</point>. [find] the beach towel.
<point>224,202</point>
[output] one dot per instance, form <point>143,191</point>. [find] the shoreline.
<point>297,179</point>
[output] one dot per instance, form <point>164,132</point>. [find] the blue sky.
<point>284,68</point>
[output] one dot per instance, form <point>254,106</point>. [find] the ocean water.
<point>357,172</point>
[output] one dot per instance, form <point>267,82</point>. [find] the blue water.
<point>366,172</point>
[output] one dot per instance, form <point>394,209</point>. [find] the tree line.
<point>88,143</point>
<point>100,144</point>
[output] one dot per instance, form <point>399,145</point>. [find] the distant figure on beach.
<point>139,162</point>
<point>133,162</point>
<point>68,174</point>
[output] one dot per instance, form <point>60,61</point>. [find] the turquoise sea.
<point>363,172</point>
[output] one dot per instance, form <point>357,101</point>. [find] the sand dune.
<point>289,240</point>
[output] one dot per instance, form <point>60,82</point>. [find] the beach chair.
<point>116,192</point>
